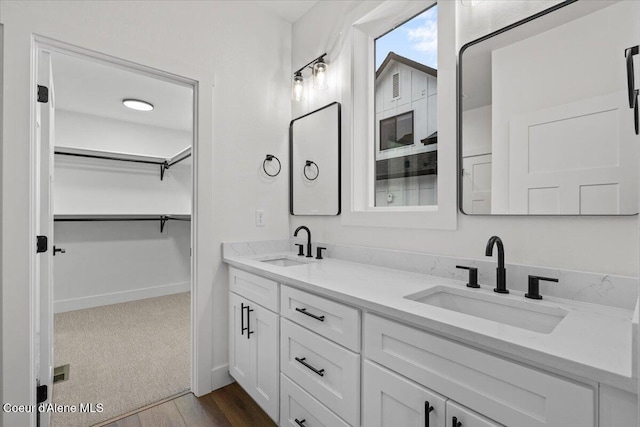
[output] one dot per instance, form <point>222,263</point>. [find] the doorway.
<point>116,200</point>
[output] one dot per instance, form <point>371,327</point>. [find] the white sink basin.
<point>284,261</point>
<point>521,314</point>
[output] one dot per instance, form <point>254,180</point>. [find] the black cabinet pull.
<point>242,328</point>
<point>635,113</point>
<point>249,331</point>
<point>302,361</point>
<point>427,410</point>
<point>629,53</point>
<point>455,422</point>
<point>300,423</point>
<point>304,311</point>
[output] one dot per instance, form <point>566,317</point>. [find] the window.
<point>406,80</point>
<point>396,131</point>
<point>367,167</point>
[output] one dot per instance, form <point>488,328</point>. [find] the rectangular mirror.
<point>314,162</point>
<point>546,114</point>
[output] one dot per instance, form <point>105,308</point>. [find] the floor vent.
<point>61,373</point>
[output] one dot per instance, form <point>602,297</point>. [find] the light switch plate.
<point>260,220</point>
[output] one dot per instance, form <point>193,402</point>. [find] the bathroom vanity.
<point>337,343</point>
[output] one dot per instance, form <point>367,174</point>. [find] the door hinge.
<point>41,244</point>
<point>43,94</point>
<point>41,393</point>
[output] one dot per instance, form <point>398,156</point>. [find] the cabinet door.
<point>391,400</point>
<point>459,416</point>
<point>264,339</point>
<point>240,357</point>
<point>253,352</point>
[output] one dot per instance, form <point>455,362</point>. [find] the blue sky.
<point>416,39</point>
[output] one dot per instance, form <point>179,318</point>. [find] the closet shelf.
<point>121,217</point>
<point>164,163</point>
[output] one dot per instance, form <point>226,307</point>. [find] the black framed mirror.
<point>545,118</point>
<point>315,164</point>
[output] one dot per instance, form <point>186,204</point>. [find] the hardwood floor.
<point>229,406</point>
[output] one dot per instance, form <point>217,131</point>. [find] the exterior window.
<point>406,113</point>
<point>396,131</point>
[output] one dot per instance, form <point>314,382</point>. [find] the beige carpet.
<point>124,356</point>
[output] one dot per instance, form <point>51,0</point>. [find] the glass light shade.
<point>298,87</point>
<point>471,2</point>
<point>320,75</point>
<point>137,104</point>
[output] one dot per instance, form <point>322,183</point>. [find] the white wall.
<point>93,186</point>
<point>240,56</point>
<point>111,262</point>
<point>77,130</point>
<point>608,244</point>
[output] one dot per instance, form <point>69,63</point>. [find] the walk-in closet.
<point>122,198</point>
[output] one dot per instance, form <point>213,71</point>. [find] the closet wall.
<point>111,262</point>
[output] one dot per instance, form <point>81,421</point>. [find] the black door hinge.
<point>41,244</point>
<point>41,393</point>
<point>43,94</point>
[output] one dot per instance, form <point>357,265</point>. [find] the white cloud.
<point>424,38</point>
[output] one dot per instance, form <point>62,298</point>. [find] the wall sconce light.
<point>319,72</point>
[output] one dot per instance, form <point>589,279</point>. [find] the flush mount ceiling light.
<point>137,104</point>
<point>319,70</point>
<point>471,3</point>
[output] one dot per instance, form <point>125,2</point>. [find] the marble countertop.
<point>592,342</point>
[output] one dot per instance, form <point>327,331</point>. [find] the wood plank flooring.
<point>229,406</point>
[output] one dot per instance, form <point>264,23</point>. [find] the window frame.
<point>395,123</point>
<point>359,185</point>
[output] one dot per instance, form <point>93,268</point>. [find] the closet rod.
<point>163,220</point>
<point>95,156</point>
<point>179,160</point>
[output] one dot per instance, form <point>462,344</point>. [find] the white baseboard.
<point>118,297</point>
<point>220,377</point>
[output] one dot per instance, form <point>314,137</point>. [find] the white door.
<point>44,227</point>
<point>476,184</point>
<point>240,360</point>
<point>459,416</point>
<point>265,340</point>
<point>391,400</point>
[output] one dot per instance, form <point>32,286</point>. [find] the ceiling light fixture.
<point>319,71</point>
<point>471,3</point>
<point>137,104</point>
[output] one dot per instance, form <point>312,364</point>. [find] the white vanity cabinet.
<point>459,416</point>
<point>392,400</point>
<point>318,337</point>
<point>507,392</point>
<point>253,338</point>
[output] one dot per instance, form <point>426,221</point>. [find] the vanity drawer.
<point>338,322</point>
<point>258,289</point>
<point>327,371</point>
<point>297,404</point>
<point>507,392</point>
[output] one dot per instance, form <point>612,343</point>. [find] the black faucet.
<point>295,233</point>
<point>501,273</point>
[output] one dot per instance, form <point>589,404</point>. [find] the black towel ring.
<point>269,158</point>
<point>308,163</point>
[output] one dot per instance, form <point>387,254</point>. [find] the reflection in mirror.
<point>545,124</point>
<point>406,137</point>
<point>314,159</point>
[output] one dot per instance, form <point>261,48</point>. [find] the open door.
<point>44,228</point>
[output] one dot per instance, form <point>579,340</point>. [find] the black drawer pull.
<point>249,331</point>
<point>304,311</point>
<point>242,328</point>
<point>319,372</point>
<point>455,422</point>
<point>300,423</point>
<point>427,410</point>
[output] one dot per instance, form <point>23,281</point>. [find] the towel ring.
<point>308,163</point>
<point>269,158</point>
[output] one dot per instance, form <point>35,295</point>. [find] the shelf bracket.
<point>163,221</point>
<point>163,167</point>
